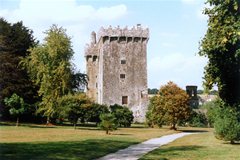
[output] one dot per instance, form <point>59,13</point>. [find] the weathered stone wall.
<point>113,46</point>
<point>92,59</point>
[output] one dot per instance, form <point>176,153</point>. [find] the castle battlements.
<point>135,31</point>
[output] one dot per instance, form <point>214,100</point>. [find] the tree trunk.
<point>17,123</point>
<point>48,121</point>
<point>232,142</point>
<point>75,125</point>
<point>106,131</point>
<point>173,126</point>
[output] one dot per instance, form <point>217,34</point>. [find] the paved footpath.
<point>134,152</point>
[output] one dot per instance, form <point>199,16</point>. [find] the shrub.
<point>124,117</point>
<point>74,107</point>
<point>108,122</point>
<point>198,119</point>
<point>211,108</point>
<point>94,112</point>
<point>227,125</point>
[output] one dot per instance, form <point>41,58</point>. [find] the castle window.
<point>94,58</point>
<point>124,100</point>
<point>122,76</point>
<point>123,61</point>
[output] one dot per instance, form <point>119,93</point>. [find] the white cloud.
<point>176,67</point>
<point>64,10</point>
<point>79,20</point>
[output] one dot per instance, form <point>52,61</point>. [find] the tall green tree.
<point>15,40</point>
<point>49,65</point>
<point>221,45</point>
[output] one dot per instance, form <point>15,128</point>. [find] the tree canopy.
<point>49,65</point>
<point>124,116</point>
<point>169,106</point>
<point>74,107</point>
<point>15,40</point>
<point>16,104</point>
<point>221,45</point>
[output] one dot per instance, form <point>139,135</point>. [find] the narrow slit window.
<point>124,100</point>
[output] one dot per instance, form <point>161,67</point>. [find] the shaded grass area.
<point>197,146</point>
<point>31,141</point>
<point>81,150</point>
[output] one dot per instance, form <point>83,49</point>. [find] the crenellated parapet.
<point>135,31</point>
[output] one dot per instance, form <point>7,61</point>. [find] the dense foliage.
<point>94,111</point>
<point>156,112</point>
<point>226,123</point>
<point>124,117</point>
<point>152,91</point>
<point>221,45</point>
<point>74,107</point>
<point>49,66</point>
<point>197,119</point>
<point>15,40</point>
<point>169,106</point>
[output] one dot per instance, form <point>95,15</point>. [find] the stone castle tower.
<point>117,68</point>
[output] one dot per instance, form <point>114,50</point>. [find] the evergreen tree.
<point>15,40</point>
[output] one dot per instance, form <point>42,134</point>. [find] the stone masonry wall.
<point>113,46</point>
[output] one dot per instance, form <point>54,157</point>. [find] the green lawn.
<point>63,142</point>
<point>203,146</point>
<point>56,143</point>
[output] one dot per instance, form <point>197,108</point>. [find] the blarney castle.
<point>116,62</point>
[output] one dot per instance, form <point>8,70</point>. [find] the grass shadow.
<point>88,128</point>
<point>115,134</point>
<point>192,131</point>
<point>81,150</point>
<point>160,153</point>
<point>234,144</point>
<point>39,126</point>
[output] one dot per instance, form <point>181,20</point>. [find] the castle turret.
<point>93,37</point>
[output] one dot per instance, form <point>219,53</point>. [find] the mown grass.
<point>63,142</point>
<point>196,147</point>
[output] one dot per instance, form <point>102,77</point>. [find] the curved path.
<point>134,152</point>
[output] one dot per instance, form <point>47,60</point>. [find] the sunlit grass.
<point>196,147</point>
<point>63,142</point>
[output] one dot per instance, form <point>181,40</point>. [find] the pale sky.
<point>176,28</point>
